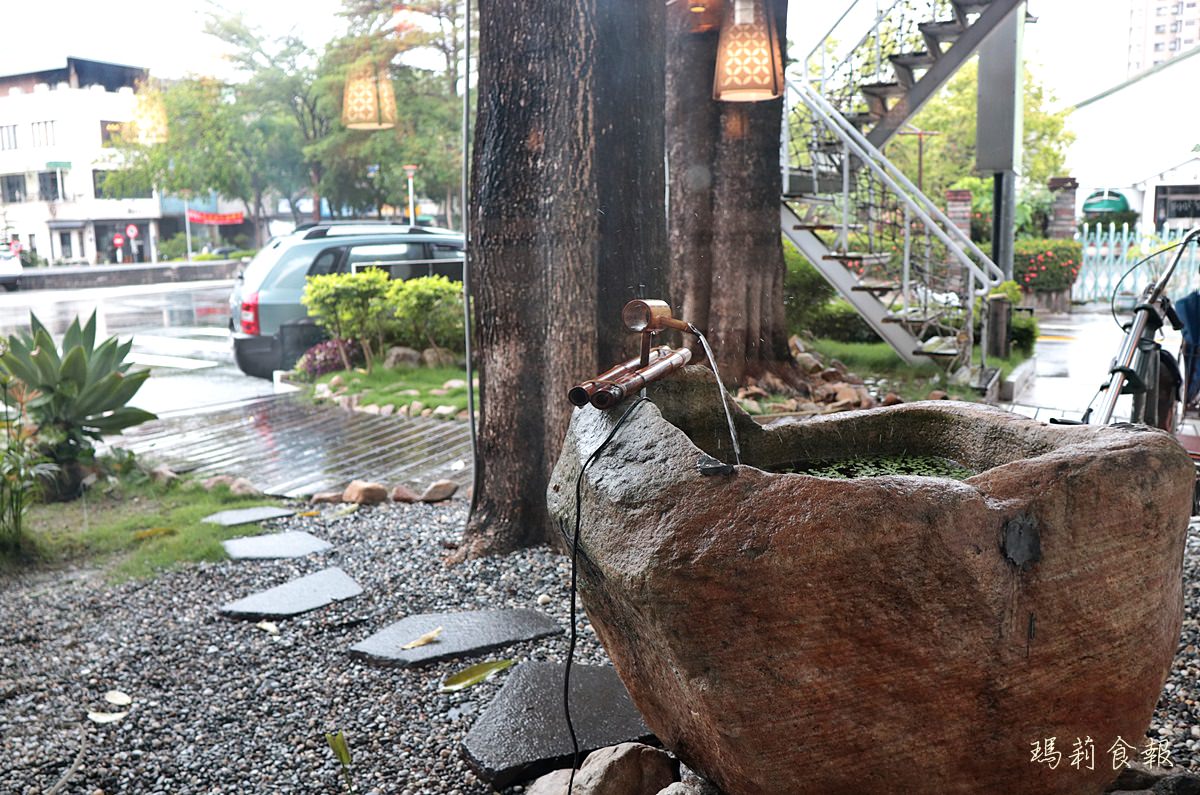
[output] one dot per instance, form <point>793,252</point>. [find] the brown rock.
<point>837,365</point>
<point>365,492</point>
<point>404,494</point>
<point>439,490</point>
<point>163,474</point>
<point>751,406</point>
<point>755,392</point>
<point>775,385</point>
<point>892,399</point>
<point>217,480</point>
<point>808,363</point>
<point>551,784</point>
<point>845,392</point>
<point>326,497</point>
<point>831,375</point>
<point>625,769</point>
<point>936,614</point>
<point>937,394</point>
<point>438,357</point>
<point>387,410</point>
<point>242,487</point>
<point>865,400</point>
<point>796,345</point>
<point>852,378</point>
<point>399,356</point>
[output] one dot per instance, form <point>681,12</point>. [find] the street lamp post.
<point>411,171</point>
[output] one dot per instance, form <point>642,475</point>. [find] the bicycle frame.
<point>1148,317</point>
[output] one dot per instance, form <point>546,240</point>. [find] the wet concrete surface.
<point>289,447</point>
<point>463,634</point>
<point>295,596</point>
<point>273,546</point>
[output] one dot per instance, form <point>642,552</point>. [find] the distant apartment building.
<point>56,130</point>
<point>1159,30</point>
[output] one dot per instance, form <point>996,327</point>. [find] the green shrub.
<point>1023,331</point>
<point>805,291</point>
<point>24,469</point>
<point>840,321</point>
<point>173,247</point>
<point>429,311</point>
<point>353,306</point>
<point>1046,265</point>
<point>81,392</point>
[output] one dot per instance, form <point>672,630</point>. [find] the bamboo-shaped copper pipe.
<point>612,393</point>
<point>580,394</point>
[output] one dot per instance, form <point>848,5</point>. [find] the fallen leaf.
<point>269,627</point>
<point>154,532</point>
<point>473,675</point>
<point>429,637</point>
<point>346,511</point>
<point>106,717</point>
<point>309,513</point>
<point>117,698</point>
<point>337,741</point>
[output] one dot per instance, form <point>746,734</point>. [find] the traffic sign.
<point>118,240</point>
<point>131,231</point>
<point>15,246</point>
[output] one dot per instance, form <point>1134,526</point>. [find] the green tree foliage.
<point>429,311</point>
<point>353,306</point>
<point>950,156</point>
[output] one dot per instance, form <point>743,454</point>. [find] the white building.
<point>55,131</point>
<point>1159,30</point>
<point>1139,138</point>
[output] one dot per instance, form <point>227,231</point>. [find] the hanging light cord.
<point>574,572</point>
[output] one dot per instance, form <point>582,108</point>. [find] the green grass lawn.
<point>135,531</point>
<point>911,382</point>
<point>401,386</point>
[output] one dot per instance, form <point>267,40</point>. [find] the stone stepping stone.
<point>295,597</point>
<point>463,634</point>
<point>248,515</point>
<point>292,544</point>
<point>523,733</point>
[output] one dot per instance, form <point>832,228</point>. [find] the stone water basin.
<point>788,633</point>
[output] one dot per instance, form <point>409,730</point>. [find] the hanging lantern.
<point>749,65</point>
<point>149,118</point>
<point>705,15</point>
<point>369,102</point>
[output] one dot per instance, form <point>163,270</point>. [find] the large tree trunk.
<point>549,229</point>
<point>726,248</point>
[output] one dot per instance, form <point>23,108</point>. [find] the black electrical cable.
<point>1112,303</point>
<point>574,571</point>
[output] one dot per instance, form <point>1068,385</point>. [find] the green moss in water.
<point>930,466</point>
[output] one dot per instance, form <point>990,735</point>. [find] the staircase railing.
<point>957,242</point>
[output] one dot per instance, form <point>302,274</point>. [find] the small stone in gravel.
<point>216,480</point>
<point>326,497</point>
<point>523,732</point>
<point>242,487</point>
<point>247,516</point>
<point>404,494</point>
<point>463,634</point>
<point>551,784</point>
<point>292,544</point>
<point>295,597</point>
<point>543,599</point>
<point>628,768</point>
<point>439,490</point>
<point>365,493</point>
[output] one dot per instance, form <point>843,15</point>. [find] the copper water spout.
<point>613,392</point>
<point>650,315</point>
<point>580,394</point>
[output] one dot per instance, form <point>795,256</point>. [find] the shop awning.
<point>66,224</point>
<point>1106,201</point>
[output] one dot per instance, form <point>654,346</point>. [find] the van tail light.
<point>249,314</point>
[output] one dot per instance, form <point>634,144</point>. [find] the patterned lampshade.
<point>149,119</point>
<point>749,65</point>
<point>369,102</point>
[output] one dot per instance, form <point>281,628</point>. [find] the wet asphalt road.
<point>180,331</point>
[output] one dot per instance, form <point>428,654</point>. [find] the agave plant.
<point>82,389</point>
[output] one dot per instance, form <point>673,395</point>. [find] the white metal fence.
<point>1110,252</point>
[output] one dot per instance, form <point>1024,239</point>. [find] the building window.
<point>48,186</point>
<point>12,188</point>
<point>1161,11</point>
<point>1159,46</point>
<point>1175,44</point>
<point>110,130</point>
<point>8,136</point>
<point>1160,28</point>
<point>1176,26</point>
<point>42,133</point>
<point>64,244</point>
<point>139,192</point>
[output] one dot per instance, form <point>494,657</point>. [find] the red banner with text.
<point>197,217</point>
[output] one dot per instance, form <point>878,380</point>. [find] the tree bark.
<point>548,230</point>
<point>726,250</point>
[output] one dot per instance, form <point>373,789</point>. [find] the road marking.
<point>182,345</point>
<point>176,362</point>
<point>1055,338</point>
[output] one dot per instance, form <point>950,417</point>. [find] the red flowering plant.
<point>1046,265</point>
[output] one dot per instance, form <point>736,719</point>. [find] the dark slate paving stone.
<point>463,634</point>
<point>248,515</point>
<point>292,544</point>
<point>523,733</point>
<point>295,597</point>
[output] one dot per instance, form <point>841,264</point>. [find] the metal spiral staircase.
<point>885,246</point>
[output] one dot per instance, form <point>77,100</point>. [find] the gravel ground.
<point>223,707</point>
